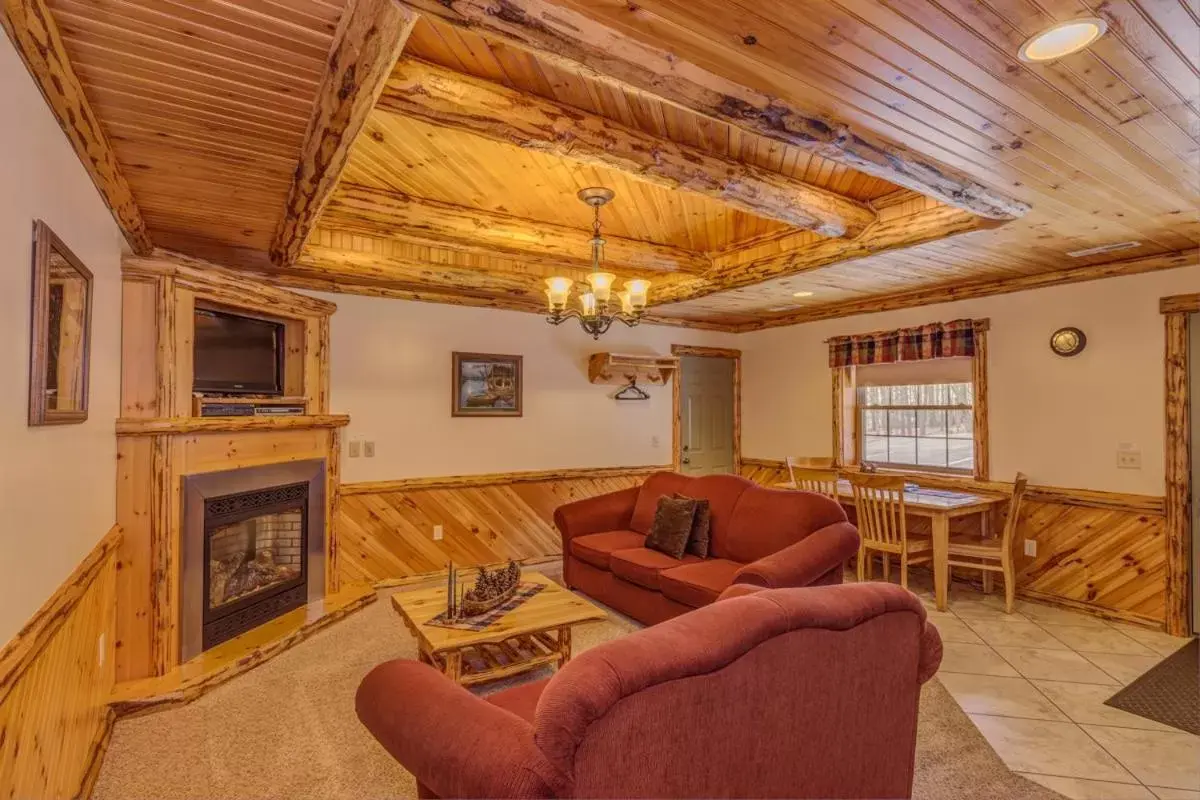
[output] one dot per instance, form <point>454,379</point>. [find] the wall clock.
<point>1067,342</point>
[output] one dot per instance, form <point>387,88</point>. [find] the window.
<point>921,426</point>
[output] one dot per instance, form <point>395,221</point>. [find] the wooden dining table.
<point>939,506</point>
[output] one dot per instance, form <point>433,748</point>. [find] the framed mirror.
<point>61,332</point>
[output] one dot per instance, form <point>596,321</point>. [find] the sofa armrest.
<point>605,512</point>
<point>931,652</point>
<point>456,744</point>
<point>804,562</point>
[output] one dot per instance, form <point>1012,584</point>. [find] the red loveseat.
<point>765,537</point>
<point>784,693</point>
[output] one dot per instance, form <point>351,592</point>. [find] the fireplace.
<point>253,549</point>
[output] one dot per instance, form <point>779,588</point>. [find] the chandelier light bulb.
<point>558,292</point>
<point>587,304</point>
<point>626,302</point>
<point>638,290</point>
<point>601,285</point>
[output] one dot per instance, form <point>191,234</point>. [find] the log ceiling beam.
<point>951,293</point>
<point>887,234</point>
<point>375,212</point>
<point>366,44</point>
<point>449,99</point>
<point>35,36</point>
<point>557,33</point>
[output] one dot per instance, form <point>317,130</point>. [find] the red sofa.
<point>766,537</point>
<point>783,693</point>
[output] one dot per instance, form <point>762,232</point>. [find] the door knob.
<point>686,460</point>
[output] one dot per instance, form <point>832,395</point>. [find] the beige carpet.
<point>288,730</point>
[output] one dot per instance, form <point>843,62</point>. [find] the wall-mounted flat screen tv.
<point>236,354</point>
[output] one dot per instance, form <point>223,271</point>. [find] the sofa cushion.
<point>722,493</point>
<point>595,548</point>
<point>697,543</point>
<point>656,486</point>
<point>767,520</point>
<point>521,700</point>
<point>700,583</point>
<point>672,525</point>
<point>641,565</point>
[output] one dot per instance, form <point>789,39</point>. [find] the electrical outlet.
<point>369,449</point>
<point>437,533</point>
<point>1128,457</point>
<point>101,650</point>
<point>355,448</point>
<point>1031,548</point>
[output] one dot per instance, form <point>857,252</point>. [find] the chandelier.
<point>597,310</point>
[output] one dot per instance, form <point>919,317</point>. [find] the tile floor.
<point>1034,682</point>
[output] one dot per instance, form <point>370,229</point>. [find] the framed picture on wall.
<point>486,385</point>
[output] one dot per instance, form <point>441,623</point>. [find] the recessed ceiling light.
<point>1062,39</point>
<point>802,294</point>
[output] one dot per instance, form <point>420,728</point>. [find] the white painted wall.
<point>1059,420</point>
<point>57,483</point>
<point>391,372</point>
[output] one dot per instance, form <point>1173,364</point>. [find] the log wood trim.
<point>1180,304</point>
<point>886,234</point>
<point>1178,466</point>
<point>1151,505</point>
<point>565,37</point>
<point>380,213</point>
<point>949,294</point>
<point>29,642</point>
<point>449,99</point>
<point>155,426</point>
<point>222,284</point>
<point>496,479</point>
<point>979,411</point>
<point>35,35</point>
<point>366,44</point>
<point>677,400</point>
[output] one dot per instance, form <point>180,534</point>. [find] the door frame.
<point>1176,311</point>
<point>679,350</point>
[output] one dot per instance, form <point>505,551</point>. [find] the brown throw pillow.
<point>672,526</point>
<point>701,528</point>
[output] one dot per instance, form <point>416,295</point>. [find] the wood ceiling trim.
<point>563,36</point>
<point>947,294</point>
<point>449,99</point>
<point>35,36</point>
<point>394,215</point>
<point>368,40</point>
<point>895,233</point>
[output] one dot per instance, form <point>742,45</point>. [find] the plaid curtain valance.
<point>935,340</point>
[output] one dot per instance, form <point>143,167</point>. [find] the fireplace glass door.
<point>254,551</point>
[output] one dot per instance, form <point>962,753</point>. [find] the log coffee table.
<point>537,632</point>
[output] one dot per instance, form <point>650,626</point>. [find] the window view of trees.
<point>918,426</point>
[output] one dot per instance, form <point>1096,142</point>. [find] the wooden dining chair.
<point>819,481</point>
<point>989,555</point>
<point>882,524</point>
<point>806,462</point>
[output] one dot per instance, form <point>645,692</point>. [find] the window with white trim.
<point>917,415</point>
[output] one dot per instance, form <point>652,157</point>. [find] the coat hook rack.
<point>632,391</point>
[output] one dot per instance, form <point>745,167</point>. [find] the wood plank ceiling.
<point>206,105</point>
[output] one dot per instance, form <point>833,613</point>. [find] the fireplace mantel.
<point>160,442</point>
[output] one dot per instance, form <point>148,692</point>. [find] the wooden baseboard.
<point>495,478</point>
<point>96,756</point>
<point>1090,608</point>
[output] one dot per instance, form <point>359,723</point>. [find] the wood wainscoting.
<point>385,528</point>
<point>1102,552</point>
<point>55,679</point>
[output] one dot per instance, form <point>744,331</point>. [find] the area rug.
<point>1169,693</point>
<point>288,730</point>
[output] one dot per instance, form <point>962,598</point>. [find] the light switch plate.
<point>369,449</point>
<point>437,533</point>
<point>355,448</point>
<point>1031,548</point>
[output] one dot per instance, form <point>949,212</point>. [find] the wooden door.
<point>706,415</point>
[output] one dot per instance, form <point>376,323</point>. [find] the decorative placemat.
<point>482,621</point>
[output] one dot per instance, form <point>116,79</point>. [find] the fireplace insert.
<point>253,549</point>
<point>254,559</point>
